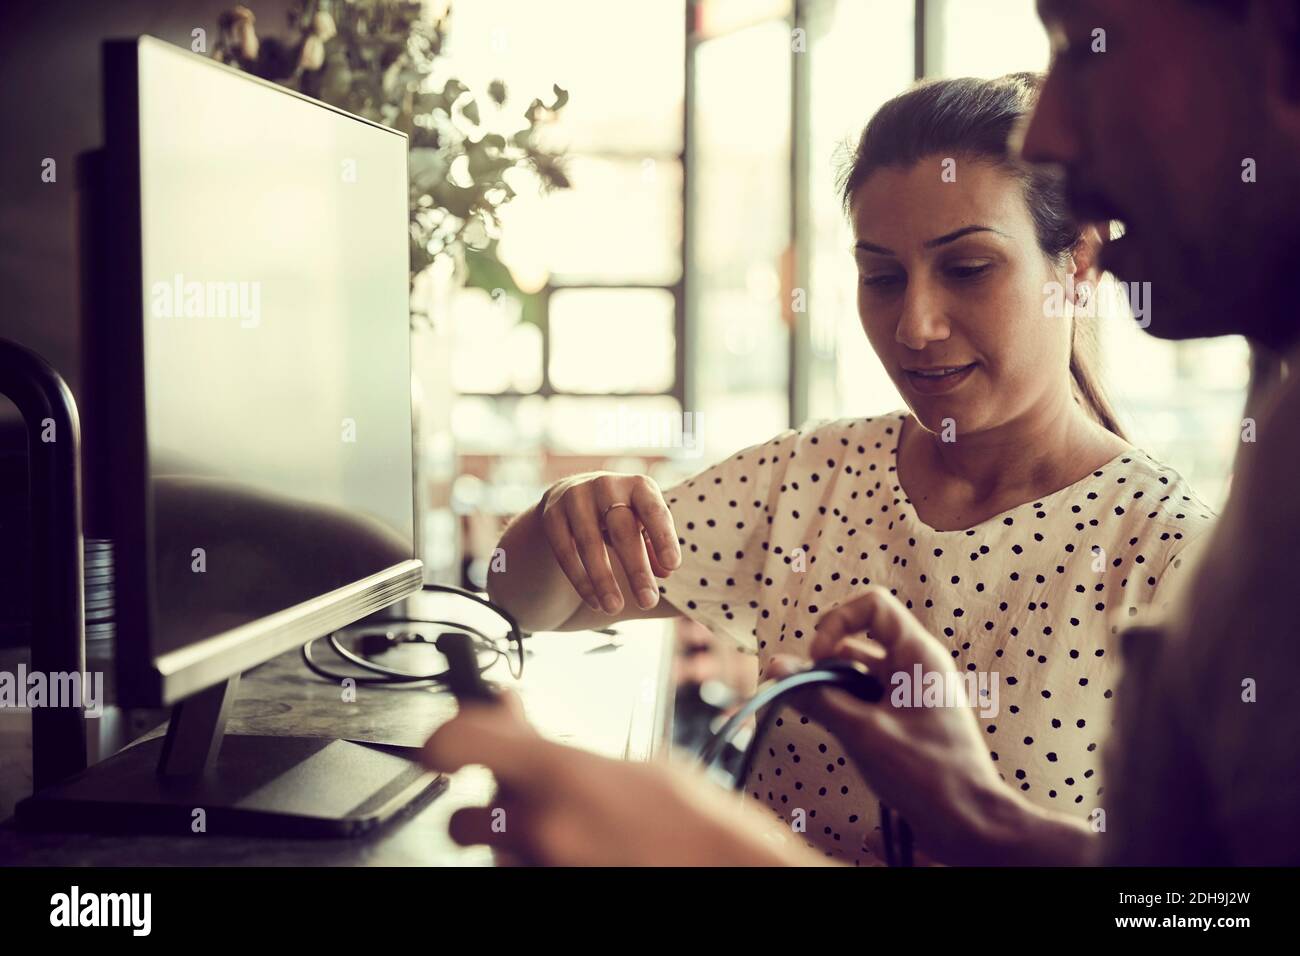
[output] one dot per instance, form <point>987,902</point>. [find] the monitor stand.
<point>197,779</point>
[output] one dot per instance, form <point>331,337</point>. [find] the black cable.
<point>385,679</point>
<point>887,835</point>
<point>773,692</point>
<point>760,731</point>
<point>902,854</point>
<point>855,681</point>
<point>388,675</point>
<point>905,834</point>
<point>515,633</point>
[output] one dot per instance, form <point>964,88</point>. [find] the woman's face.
<point>951,294</point>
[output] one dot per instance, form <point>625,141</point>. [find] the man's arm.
<point>930,764</point>
<point>1017,833</point>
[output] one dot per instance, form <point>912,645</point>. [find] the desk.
<point>609,694</point>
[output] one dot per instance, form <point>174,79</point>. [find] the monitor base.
<point>259,786</point>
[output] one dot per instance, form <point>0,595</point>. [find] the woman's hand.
<point>565,807</point>
<point>589,519</point>
<point>930,764</point>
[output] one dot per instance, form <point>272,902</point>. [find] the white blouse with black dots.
<point>782,532</point>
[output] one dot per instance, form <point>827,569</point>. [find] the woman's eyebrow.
<point>863,246</point>
<point>957,234</point>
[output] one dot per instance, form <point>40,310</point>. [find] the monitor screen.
<point>276,378</point>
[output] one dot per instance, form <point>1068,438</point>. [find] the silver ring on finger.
<point>604,514</point>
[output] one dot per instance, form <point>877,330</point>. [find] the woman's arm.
<point>558,571</point>
<point>529,584</point>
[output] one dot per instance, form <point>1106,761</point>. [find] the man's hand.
<point>560,806</point>
<point>930,764</point>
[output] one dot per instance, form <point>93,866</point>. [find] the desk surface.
<point>610,694</point>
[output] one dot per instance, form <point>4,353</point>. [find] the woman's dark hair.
<point>974,119</point>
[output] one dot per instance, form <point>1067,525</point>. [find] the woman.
<point>1003,507</point>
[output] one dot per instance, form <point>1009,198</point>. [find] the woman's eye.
<point>969,270</point>
<point>880,281</point>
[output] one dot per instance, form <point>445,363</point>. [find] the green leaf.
<point>377,66</point>
<point>457,200</point>
<point>483,165</point>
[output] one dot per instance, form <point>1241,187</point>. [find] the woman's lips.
<point>939,380</point>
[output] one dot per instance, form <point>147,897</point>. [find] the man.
<point>1180,118</point>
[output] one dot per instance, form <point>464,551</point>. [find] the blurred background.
<point>627,249</point>
<point>693,291</point>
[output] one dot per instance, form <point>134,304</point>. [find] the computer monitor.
<point>247,409</point>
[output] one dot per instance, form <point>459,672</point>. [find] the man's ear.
<point>1084,258</point>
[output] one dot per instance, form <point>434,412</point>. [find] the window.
<point>740,235</point>
<point>860,55</point>
<point>599,264</point>
<point>571,372</point>
<point>694,292</point>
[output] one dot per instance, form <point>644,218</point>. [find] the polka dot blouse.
<point>780,533</point>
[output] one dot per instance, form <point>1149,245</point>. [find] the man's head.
<point>1181,118</point>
